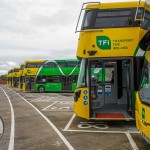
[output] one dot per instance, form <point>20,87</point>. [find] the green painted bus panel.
<point>50,87</point>
<point>49,71</point>
<point>56,71</point>
<point>74,87</point>
<point>54,87</point>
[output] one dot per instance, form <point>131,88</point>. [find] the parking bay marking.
<point>67,143</point>
<point>49,106</point>
<point>73,117</point>
<point>133,144</point>
<point>96,125</point>
<point>127,133</point>
<point>12,132</point>
<point>44,98</point>
<point>59,108</point>
<point>70,147</point>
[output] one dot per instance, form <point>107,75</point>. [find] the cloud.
<point>3,72</point>
<point>5,66</point>
<point>38,29</point>
<point>11,63</point>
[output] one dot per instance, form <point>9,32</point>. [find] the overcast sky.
<point>38,29</point>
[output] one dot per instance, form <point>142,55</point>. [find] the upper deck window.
<point>113,18</point>
<point>22,67</point>
<point>62,64</point>
<point>15,70</point>
<point>50,64</point>
<point>72,64</point>
<point>87,19</point>
<point>33,65</point>
<point>110,18</point>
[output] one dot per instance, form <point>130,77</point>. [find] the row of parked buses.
<point>45,75</point>
<point>114,77</point>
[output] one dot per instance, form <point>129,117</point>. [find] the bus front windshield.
<point>81,77</point>
<point>145,85</point>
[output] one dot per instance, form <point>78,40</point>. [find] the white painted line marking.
<point>115,132</point>
<point>65,102</point>
<point>100,126</point>
<point>36,99</point>
<point>49,106</point>
<point>64,108</point>
<point>50,123</point>
<point>94,122</point>
<point>30,95</point>
<point>69,123</point>
<point>59,109</point>
<point>58,143</point>
<point>44,98</point>
<point>12,133</point>
<point>133,144</point>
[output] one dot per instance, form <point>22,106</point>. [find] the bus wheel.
<point>41,89</point>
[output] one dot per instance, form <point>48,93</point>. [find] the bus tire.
<point>41,89</point>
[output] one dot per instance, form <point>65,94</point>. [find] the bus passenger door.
<point>32,82</point>
<point>27,83</point>
<point>110,88</point>
<point>66,83</point>
<point>103,83</point>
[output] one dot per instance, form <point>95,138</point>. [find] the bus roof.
<point>16,68</point>
<point>110,5</point>
<point>34,61</point>
<point>10,70</point>
<point>67,60</point>
<point>22,64</point>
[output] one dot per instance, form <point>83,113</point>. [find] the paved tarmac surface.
<point>35,121</point>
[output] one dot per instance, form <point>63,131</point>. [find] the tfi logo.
<point>143,113</point>
<point>29,71</point>
<point>103,42</point>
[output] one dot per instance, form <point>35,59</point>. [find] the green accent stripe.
<point>137,48</point>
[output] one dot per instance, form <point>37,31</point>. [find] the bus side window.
<point>49,64</point>
<point>53,79</point>
<point>74,78</point>
<point>70,79</point>
<point>41,79</point>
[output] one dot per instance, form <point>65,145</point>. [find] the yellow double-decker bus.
<point>9,77</point>
<point>143,101</point>
<point>21,76</point>
<point>112,44</point>
<point>15,77</point>
<point>29,73</point>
